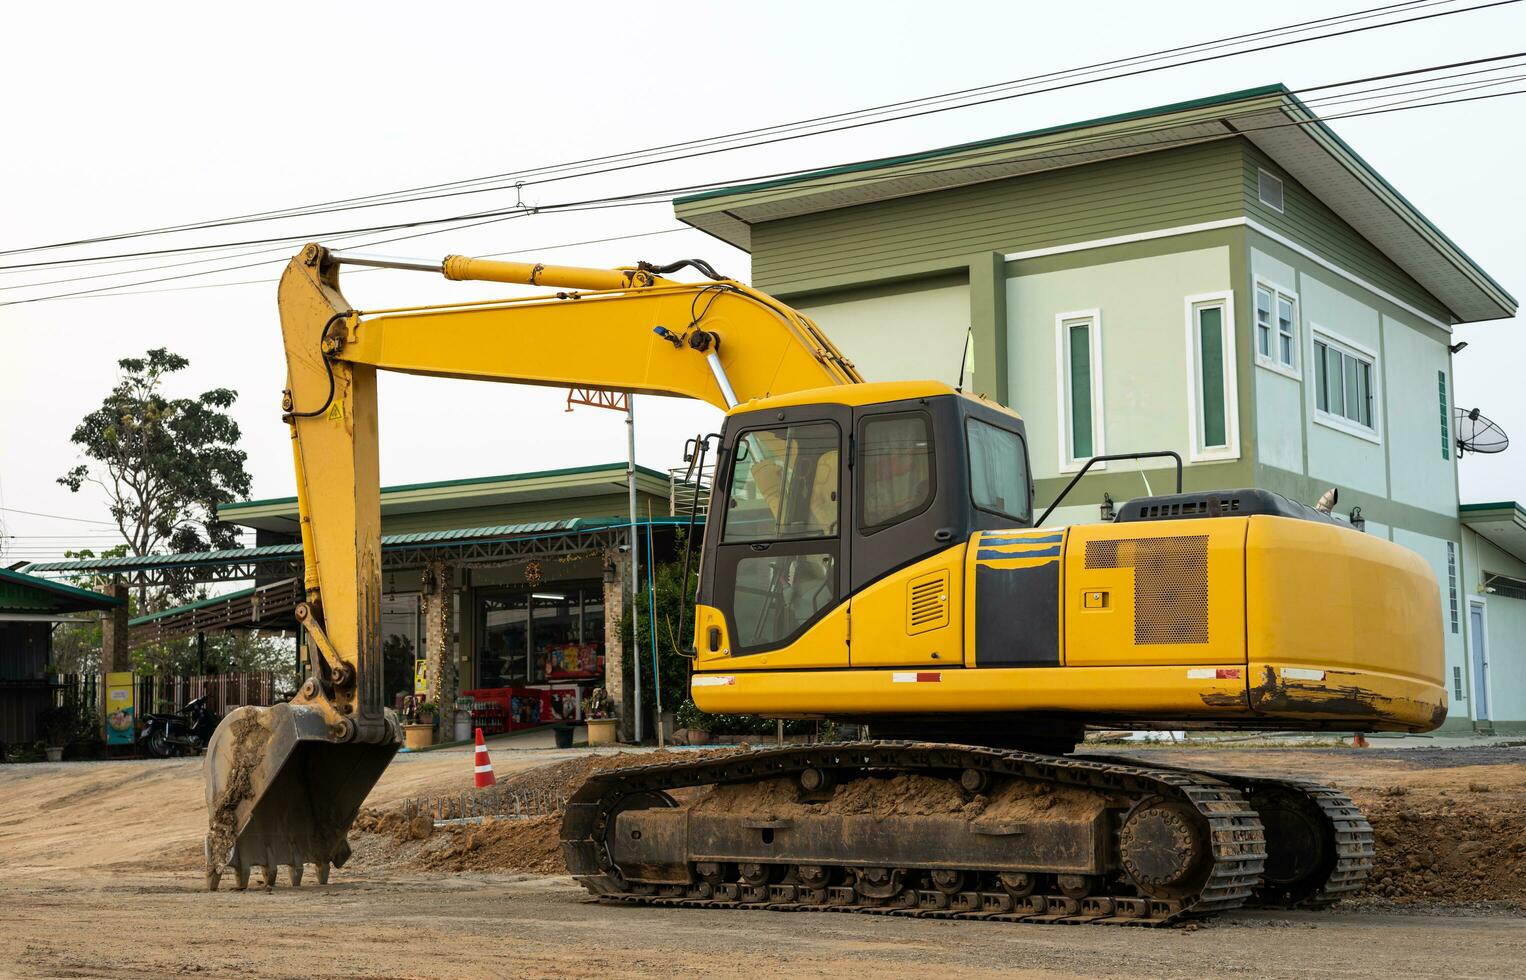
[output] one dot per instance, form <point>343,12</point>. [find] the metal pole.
<point>630,479</point>
<point>651,622</point>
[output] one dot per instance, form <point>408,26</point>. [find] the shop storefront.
<point>540,649</point>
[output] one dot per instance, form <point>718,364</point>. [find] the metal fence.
<point>167,695</point>
<point>223,692</point>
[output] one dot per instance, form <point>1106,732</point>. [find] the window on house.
<point>1080,345</point>
<point>1446,418</point>
<point>1452,582</point>
<point>1212,347</point>
<point>1344,381</point>
<point>1276,328</point>
<point>1269,190</point>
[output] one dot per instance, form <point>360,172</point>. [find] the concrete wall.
<point>906,331</point>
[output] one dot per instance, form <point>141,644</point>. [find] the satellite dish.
<point>1476,434</point>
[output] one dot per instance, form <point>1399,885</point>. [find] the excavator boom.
<point>284,783</point>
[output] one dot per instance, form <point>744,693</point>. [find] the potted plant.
<point>418,722</point>
<point>57,724</point>
<point>695,724</point>
<point>599,713</point>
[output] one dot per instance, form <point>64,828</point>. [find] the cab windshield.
<point>784,484</point>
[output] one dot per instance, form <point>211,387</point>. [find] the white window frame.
<point>1361,352</point>
<point>1068,463</point>
<point>1196,451</point>
<point>1281,184</point>
<point>1273,362</point>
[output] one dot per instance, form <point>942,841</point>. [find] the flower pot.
<point>55,753</point>
<point>698,737</point>
<point>418,736</point>
<point>563,735</point>
<point>601,731</point>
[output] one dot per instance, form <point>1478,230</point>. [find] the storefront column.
<point>440,660</point>
<point>115,655</point>
<point>614,649</point>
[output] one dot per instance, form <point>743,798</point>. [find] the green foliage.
<point>690,716</point>
<point>163,462</point>
<point>672,596</point>
<point>226,653</point>
<point>77,644</point>
<point>56,725</point>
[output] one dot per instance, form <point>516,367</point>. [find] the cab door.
<point>781,564</point>
<point>908,545</point>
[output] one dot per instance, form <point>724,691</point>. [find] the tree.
<point>163,462</point>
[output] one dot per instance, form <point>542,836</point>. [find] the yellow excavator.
<point>871,556</point>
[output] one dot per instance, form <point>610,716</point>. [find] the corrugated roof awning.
<point>23,593</point>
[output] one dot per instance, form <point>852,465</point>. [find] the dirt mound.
<point>1445,848</point>
<point>903,795</point>
<point>531,845</point>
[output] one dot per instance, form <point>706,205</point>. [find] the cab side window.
<point>998,470</point>
<point>894,469</point>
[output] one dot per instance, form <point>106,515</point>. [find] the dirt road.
<point>99,876</point>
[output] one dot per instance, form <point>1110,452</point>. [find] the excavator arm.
<point>284,783</point>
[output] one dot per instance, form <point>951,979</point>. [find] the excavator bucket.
<point>281,790</point>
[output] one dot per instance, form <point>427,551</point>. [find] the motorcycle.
<point>185,733</point>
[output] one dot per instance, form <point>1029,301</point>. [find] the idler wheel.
<point>1163,850</point>
<point>1298,853</point>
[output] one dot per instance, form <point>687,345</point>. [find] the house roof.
<point>280,513</point>
<point>21,593</point>
<point>1502,522</point>
<point>1271,117</point>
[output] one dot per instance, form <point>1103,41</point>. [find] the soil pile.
<point>1447,848</point>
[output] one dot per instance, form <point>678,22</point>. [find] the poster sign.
<point>421,676</point>
<point>120,713</point>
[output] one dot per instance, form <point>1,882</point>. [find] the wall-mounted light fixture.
<point>1457,347</point>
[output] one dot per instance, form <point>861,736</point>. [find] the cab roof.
<point>867,393</point>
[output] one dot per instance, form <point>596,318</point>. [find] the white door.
<point>1478,655</point>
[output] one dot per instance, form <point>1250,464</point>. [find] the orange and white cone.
<point>484,765</point>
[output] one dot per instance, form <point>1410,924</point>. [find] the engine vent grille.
<point>1188,508</point>
<point>1170,584</point>
<point>927,603</point>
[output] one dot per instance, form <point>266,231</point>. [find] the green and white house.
<point>1223,277</point>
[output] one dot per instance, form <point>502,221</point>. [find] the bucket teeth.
<point>282,790</point>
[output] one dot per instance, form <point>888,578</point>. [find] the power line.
<point>857,118</point>
<point>56,517</point>
<point>1048,153</point>
<point>629,199</point>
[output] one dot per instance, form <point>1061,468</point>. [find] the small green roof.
<point>21,593</point>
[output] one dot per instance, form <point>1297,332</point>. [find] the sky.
<point>126,117</point>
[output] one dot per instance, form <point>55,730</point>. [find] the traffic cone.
<point>484,765</point>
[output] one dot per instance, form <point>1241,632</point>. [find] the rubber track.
<point>1349,833</point>
<point>1235,832</point>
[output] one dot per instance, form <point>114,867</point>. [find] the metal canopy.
<point>464,546</point>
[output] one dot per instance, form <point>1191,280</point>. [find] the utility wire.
<point>56,517</point>
<point>925,106</point>
<point>1047,152</point>
<point>732,181</point>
